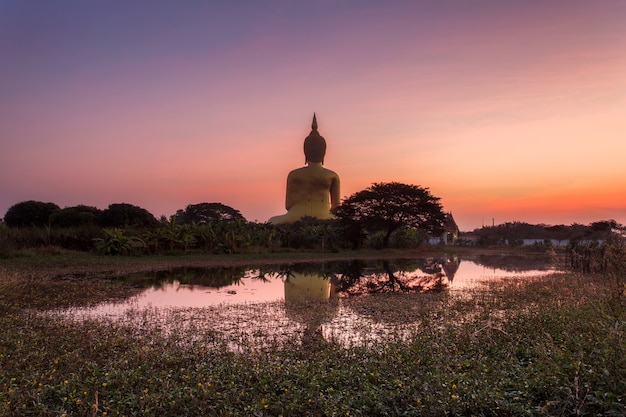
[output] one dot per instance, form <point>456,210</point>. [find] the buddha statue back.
<point>312,191</point>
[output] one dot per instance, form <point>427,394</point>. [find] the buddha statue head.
<point>314,145</point>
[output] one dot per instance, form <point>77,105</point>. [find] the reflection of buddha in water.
<point>311,190</point>
<point>309,301</point>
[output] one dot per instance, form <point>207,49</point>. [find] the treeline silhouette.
<point>126,229</point>
<point>513,233</point>
<point>384,215</point>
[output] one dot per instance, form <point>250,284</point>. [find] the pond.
<point>349,301</point>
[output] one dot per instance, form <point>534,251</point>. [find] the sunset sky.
<point>506,110</point>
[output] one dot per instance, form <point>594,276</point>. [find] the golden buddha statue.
<point>312,191</point>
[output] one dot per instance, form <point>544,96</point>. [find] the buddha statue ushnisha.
<point>312,191</point>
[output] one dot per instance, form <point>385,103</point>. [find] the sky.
<point>505,110</point>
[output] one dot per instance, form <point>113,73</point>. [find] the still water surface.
<point>200,287</point>
<point>351,302</point>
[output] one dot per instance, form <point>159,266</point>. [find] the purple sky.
<point>513,111</point>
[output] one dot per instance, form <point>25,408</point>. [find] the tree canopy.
<point>124,214</point>
<point>76,216</point>
<point>207,213</point>
<point>389,206</point>
<point>30,213</point>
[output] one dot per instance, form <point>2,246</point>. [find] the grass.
<point>547,346</point>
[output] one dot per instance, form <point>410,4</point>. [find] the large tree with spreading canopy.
<point>389,206</point>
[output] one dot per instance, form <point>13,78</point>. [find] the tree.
<point>29,213</point>
<point>207,213</point>
<point>76,216</point>
<point>123,215</point>
<point>389,206</point>
<point>604,227</point>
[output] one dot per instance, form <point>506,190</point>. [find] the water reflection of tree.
<point>388,277</point>
<point>349,277</point>
<point>207,277</point>
<point>382,276</point>
<point>399,292</point>
<point>514,263</point>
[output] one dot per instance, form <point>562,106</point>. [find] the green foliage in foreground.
<point>551,346</point>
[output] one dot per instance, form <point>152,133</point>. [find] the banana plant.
<point>116,242</point>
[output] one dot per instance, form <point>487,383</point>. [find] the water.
<point>306,300</point>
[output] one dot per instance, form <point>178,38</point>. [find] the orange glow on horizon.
<point>510,110</point>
